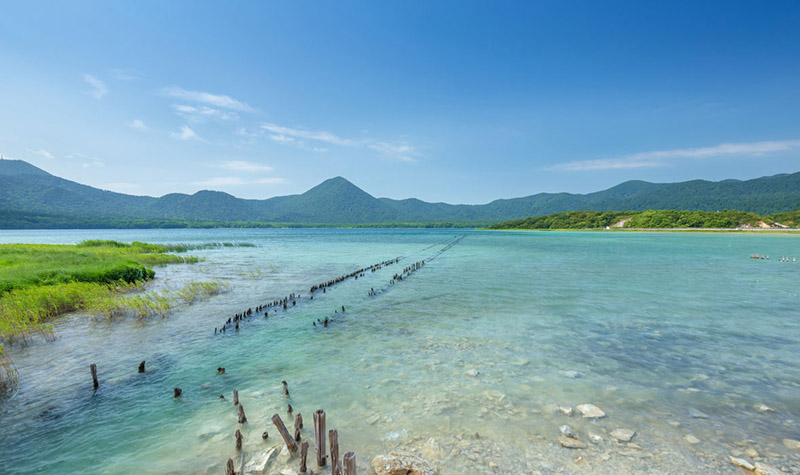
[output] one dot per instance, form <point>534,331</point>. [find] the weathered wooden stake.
<point>239,438</point>
<point>290,443</point>
<point>177,392</point>
<point>141,367</point>
<point>296,434</point>
<point>298,421</point>
<point>229,468</point>
<point>93,368</point>
<point>319,436</point>
<point>303,456</point>
<point>235,397</point>
<point>242,418</point>
<point>336,468</point>
<point>349,463</point>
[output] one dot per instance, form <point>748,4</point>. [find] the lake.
<point>680,337</point>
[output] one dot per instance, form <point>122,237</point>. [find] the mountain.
<point>31,197</point>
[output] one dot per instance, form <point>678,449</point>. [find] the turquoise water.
<point>670,334</point>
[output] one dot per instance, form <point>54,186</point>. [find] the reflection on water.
<point>681,338</point>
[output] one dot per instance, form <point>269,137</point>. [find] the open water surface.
<point>461,362</point>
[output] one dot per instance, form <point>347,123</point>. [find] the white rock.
<point>742,463</point>
<point>764,469</point>
<point>691,439</point>
<point>590,411</point>
<point>472,372</point>
<point>623,435</point>
<point>674,424</point>
<point>258,463</point>
<point>698,414</point>
<point>567,411</point>
<point>763,408</point>
<point>570,374</point>
<point>595,438</point>
<point>566,431</point>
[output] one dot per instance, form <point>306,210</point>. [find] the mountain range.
<point>30,197</point>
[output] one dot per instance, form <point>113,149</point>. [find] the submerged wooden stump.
<point>177,392</point>
<point>93,369</point>
<point>141,367</point>
<point>235,397</point>
<point>298,421</point>
<point>242,418</point>
<point>319,436</point>
<point>239,438</point>
<point>303,456</point>
<point>229,468</point>
<point>336,468</point>
<point>349,463</point>
<point>290,443</point>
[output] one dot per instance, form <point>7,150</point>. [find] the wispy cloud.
<point>202,97</point>
<point>99,88</point>
<point>84,161</point>
<point>126,74</point>
<point>660,158</point>
<point>197,113</point>
<point>186,133</point>
<point>43,153</point>
<point>138,125</point>
<point>292,136</point>
<point>235,181</point>
<point>241,165</point>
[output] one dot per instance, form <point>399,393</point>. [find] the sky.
<point>461,102</point>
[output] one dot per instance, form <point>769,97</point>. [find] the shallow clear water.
<point>654,328</point>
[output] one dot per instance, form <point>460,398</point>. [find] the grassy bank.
<point>40,281</point>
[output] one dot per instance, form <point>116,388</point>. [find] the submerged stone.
<point>764,469</point>
<point>623,435</point>
<point>590,411</point>
<point>397,463</point>
<point>571,443</point>
<point>791,444</point>
<point>763,408</point>
<point>742,463</point>
<point>691,439</point>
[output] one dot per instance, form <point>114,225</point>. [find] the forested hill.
<point>31,198</point>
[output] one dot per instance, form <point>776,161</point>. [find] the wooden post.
<point>336,468</point>
<point>303,456</point>
<point>290,443</point>
<point>298,421</point>
<point>349,463</point>
<point>242,418</point>
<point>177,392</point>
<point>229,468</point>
<point>141,367</point>
<point>239,438</point>
<point>235,397</point>
<point>93,368</point>
<point>319,436</point>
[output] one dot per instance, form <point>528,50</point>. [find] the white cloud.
<point>43,153</point>
<point>288,135</point>
<point>186,133</point>
<point>202,97</point>
<point>99,88</point>
<point>660,158</point>
<point>126,74</point>
<point>241,165</point>
<point>196,113</point>
<point>138,124</point>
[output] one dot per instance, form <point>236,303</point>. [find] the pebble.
<point>567,432</point>
<point>590,411</point>
<point>698,414</point>
<point>570,374</point>
<point>567,411</point>
<point>571,443</point>
<point>595,438</point>
<point>763,408</point>
<point>674,424</point>
<point>623,435</point>
<point>691,439</point>
<point>742,463</point>
<point>791,444</point>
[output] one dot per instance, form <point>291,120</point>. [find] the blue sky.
<point>462,102</point>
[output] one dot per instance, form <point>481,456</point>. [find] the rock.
<point>763,408</point>
<point>520,362</point>
<point>432,449</point>
<point>674,424</point>
<point>634,446</point>
<point>567,411</point>
<point>567,432</point>
<point>571,443</point>
<point>472,372</point>
<point>397,463</point>
<point>691,439</point>
<point>288,471</point>
<point>570,374</point>
<point>590,411</point>
<point>595,438</point>
<point>258,463</point>
<point>764,469</point>
<point>791,444</point>
<point>751,452</point>
<point>698,414</point>
<point>742,463</point>
<point>623,435</point>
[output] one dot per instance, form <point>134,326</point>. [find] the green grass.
<point>40,281</point>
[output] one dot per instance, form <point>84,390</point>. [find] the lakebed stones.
<point>397,463</point>
<point>571,443</point>
<point>742,463</point>
<point>590,411</point>
<point>623,435</point>
<point>791,444</point>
